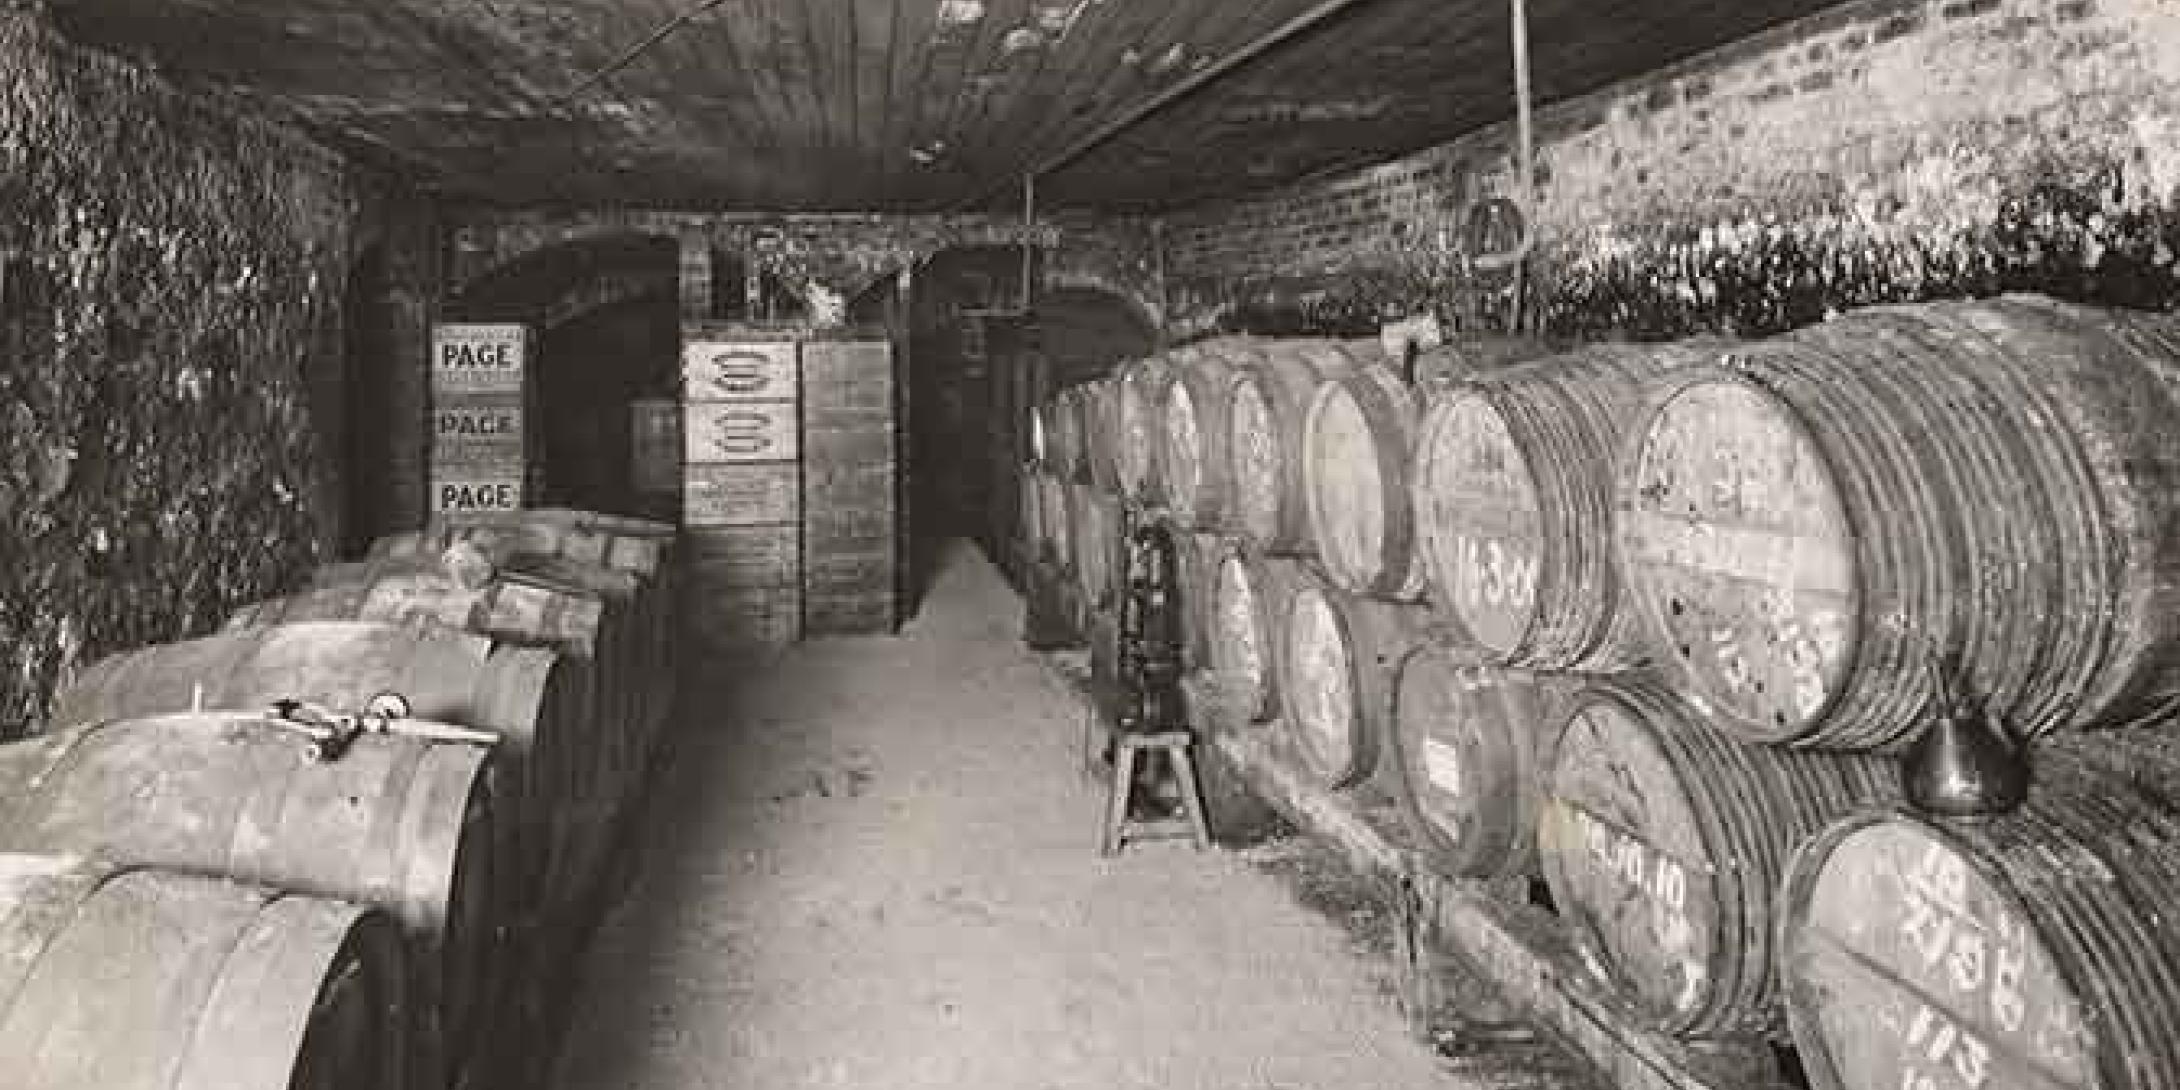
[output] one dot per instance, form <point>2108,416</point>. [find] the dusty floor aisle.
<point>876,867</point>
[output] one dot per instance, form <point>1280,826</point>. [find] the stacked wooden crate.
<point>848,487</point>
<point>742,487</point>
<point>478,418</point>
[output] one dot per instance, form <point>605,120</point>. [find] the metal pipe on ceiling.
<point>1317,13</point>
<point>629,55</point>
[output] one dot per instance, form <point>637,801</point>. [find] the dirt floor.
<point>873,864</point>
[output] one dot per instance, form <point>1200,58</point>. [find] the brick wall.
<point>1885,150</point>
<point>172,330</point>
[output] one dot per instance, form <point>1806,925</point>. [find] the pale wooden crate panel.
<point>478,358</point>
<point>739,370</point>
<point>461,489</point>
<point>731,620</point>
<point>831,614</point>
<point>743,556</point>
<point>741,431</point>
<point>848,374</point>
<point>477,430</point>
<point>751,494</point>
<point>849,446</point>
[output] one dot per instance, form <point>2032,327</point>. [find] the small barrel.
<point>1094,526</point>
<point>1195,466</point>
<point>117,978</point>
<point>1356,440</point>
<point>1512,493</point>
<point>1249,595</point>
<point>2033,949</point>
<point>1141,400</point>
<point>1099,406</point>
<point>1267,406</point>
<point>1470,744</point>
<point>1339,654</point>
<point>398,823</point>
<point>1663,841</point>
<point>1983,481</point>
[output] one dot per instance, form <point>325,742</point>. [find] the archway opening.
<point>602,380</point>
<point>977,361</point>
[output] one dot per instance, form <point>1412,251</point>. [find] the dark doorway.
<point>365,446</point>
<point>594,374</point>
<point>976,359</point>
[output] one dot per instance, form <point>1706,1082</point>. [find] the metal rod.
<point>1315,15</point>
<point>1029,223</point>
<point>1525,187</point>
<point>632,52</point>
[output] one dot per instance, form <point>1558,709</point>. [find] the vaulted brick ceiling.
<point>889,105</point>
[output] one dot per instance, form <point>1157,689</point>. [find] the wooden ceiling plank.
<point>705,57</point>
<point>912,64</point>
<point>1094,83</point>
<point>748,30</point>
<point>1198,139</point>
<point>940,95</point>
<point>795,38</point>
<point>873,58</point>
<point>959,121</point>
<point>1097,51</point>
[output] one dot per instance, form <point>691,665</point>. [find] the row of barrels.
<point>375,912</point>
<point>1725,884</point>
<point>1796,529</point>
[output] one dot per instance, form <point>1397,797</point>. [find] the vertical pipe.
<point>1525,186</point>
<point>1029,220</point>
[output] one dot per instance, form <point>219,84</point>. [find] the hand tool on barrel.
<point>329,733</point>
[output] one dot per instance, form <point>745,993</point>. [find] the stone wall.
<point>1886,150</point>
<point>170,323</point>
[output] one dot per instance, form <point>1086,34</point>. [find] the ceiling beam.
<point>1195,81</point>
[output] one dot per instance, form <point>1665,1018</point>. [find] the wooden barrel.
<point>595,620</point>
<point>584,775</point>
<point>525,695</point>
<point>1195,464</point>
<point>1141,404</point>
<point>1099,403</point>
<point>1267,406</point>
<point>1512,492</point>
<point>1094,525</point>
<point>1339,653</point>
<point>2035,949</point>
<point>119,978</point>
<point>1248,615</point>
<point>1470,744</point>
<point>1468,356</point>
<point>401,824</point>
<point>1663,841</point>
<point>1355,445</point>
<point>1987,481</point>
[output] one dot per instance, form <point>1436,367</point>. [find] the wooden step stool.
<point>1118,828</point>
